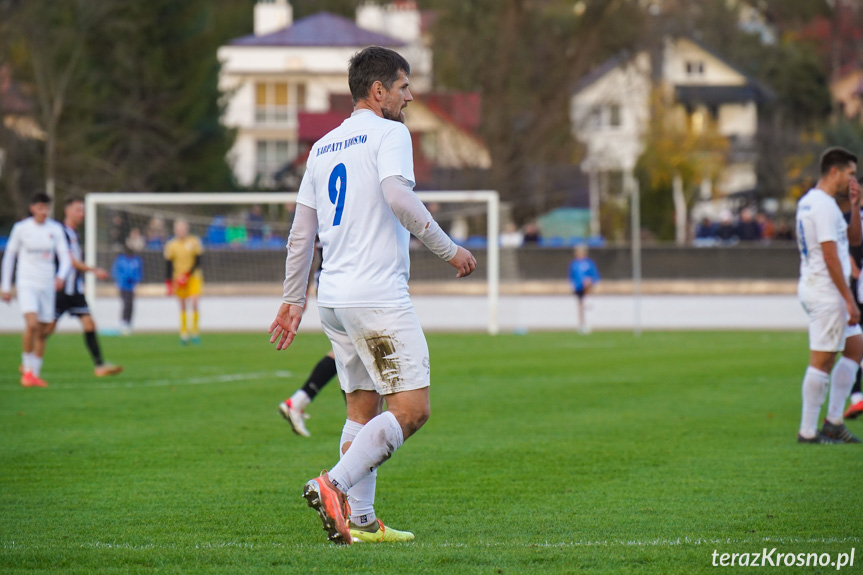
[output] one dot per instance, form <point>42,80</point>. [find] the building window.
<point>301,97</point>
<point>274,101</point>
<point>694,68</point>
<point>614,115</point>
<point>271,156</point>
<point>605,116</point>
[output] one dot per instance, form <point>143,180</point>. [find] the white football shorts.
<point>828,324</point>
<point>378,349</point>
<point>36,300</point>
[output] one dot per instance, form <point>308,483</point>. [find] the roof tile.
<point>323,29</point>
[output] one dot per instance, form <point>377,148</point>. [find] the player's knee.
<point>417,417</point>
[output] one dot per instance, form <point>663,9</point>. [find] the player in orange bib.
<point>183,276</point>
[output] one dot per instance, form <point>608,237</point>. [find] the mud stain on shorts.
<point>385,361</point>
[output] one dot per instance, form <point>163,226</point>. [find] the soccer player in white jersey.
<point>71,298</point>
<point>357,194</point>
<point>35,242</point>
<point>823,238</point>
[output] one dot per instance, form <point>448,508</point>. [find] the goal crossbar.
<point>489,197</point>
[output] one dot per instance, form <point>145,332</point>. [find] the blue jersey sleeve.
<point>594,271</point>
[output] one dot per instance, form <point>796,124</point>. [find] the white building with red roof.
<point>279,83</point>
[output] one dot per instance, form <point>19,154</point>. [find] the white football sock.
<point>856,397</point>
<point>25,361</point>
<point>300,400</point>
<point>361,496</point>
<point>841,382</point>
<point>375,443</point>
<point>35,364</point>
<point>814,391</point>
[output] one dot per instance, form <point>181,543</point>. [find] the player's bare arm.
<point>100,273</point>
<point>834,267</point>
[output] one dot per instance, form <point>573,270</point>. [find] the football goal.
<point>244,236</point>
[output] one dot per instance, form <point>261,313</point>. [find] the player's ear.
<point>377,90</point>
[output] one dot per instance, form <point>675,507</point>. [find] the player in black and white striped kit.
<point>71,298</point>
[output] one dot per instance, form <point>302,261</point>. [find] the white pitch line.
<point>681,541</point>
<point>204,380</point>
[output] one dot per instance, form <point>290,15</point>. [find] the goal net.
<point>244,236</point>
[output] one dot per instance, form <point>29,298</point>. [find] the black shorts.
<point>74,304</point>
<point>579,293</point>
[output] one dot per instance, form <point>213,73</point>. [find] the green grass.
<point>545,453</point>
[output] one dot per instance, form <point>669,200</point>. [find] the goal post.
<point>199,208</point>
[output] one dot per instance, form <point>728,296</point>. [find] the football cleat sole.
<point>315,499</point>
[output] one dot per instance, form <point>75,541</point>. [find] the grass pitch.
<point>545,453</point>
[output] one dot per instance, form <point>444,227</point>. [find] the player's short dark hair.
<point>371,65</point>
<point>73,200</point>
<point>40,198</point>
<point>836,156</point>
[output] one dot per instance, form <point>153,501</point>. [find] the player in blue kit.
<point>584,277</point>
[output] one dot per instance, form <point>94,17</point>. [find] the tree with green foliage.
<point>125,93</point>
<point>676,154</point>
<point>523,57</point>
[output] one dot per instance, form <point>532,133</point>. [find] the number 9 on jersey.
<point>338,185</point>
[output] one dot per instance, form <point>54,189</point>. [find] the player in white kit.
<point>35,242</point>
<point>823,238</point>
<point>357,194</point>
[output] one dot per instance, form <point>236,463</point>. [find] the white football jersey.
<point>365,247</point>
<point>35,246</point>
<point>819,220</point>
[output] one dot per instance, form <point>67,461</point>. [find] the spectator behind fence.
<point>156,234</point>
<point>127,272</point>
<point>725,231</point>
<point>255,224</point>
<point>705,232</point>
<point>784,231</point>
<point>135,241</point>
<point>747,228</point>
<point>767,227</point>
<point>531,233</point>
<point>118,231</point>
<point>511,237</point>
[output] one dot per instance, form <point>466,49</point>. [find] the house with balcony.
<point>286,85</point>
<point>610,111</point>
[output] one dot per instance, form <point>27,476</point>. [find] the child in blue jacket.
<point>584,276</point>
<point>127,272</point>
